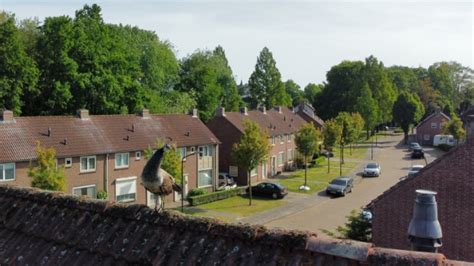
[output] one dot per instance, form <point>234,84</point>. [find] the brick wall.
<point>431,127</point>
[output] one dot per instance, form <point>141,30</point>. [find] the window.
<point>290,155</point>
<point>280,159</point>
<point>282,139</point>
<point>7,171</point>
<point>182,151</point>
<point>233,170</point>
<point>273,140</point>
<point>205,178</point>
<point>288,137</point>
<point>426,137</point>
<point>126,189</point>
<point>434,125</point>
<point>205,151</point>
<point>151,199</point>
<point>89,191</point>
<point>88,164</point>
<point>68,162</point>
<point>193,149</point>
<point>138,155</point>
<point>253,172</point>
<point>121,160</point>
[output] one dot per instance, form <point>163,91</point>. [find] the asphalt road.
<point>323,212</point>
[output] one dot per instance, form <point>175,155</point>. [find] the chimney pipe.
<point>278,108</point>
<point>243,110</point>
<point>83,114</point>
<point>49,132</point>
<point>6,117</point>
<point>263,109</point>
<point>195,113</point>
<point>424,231</point>
<point>145,113</point>
<point>220,111</point>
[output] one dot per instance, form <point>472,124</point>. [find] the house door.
<point>273,165</point>
<point>264,170</point>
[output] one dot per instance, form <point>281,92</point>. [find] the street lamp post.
<point>182,179</point>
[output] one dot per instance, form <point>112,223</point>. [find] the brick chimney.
<point>145,113</point>
<point>243,110</point>
<point>6,117</point>
<point>220,111</point>
<point>83,114</point>
<point>195,113</point>
<point>263,109</point>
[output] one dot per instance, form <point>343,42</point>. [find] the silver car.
<point>372,169</point>
<point>415,169</point>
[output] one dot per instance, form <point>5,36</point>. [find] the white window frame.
<point>434,125</point>
<point>289,155</point>
<point>426,136</point>
<point>281,155</point>
<point>183,153</point>
<point>282,139</point>
<point>88,166</point>
<point>121,160</point>
<point>289,137</point>
<point>3,172</point>
<point>66,164</point>
<point>205,170</point>
<point>138,156</point>
<point>87,186</point>
<point>254,172</point>
<point>233,170</point>
<point>122,180</point>
<point>273,141</point>
<point>193,149</point>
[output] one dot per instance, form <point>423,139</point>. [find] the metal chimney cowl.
<point>424,231</point>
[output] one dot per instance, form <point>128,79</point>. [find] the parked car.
<point>414,145</point>
<point>372,169</point>
<point>225,181</point>
<point>415,169</point>
<point>271,190</point>
<point>340,186</point>
<point>417,153</point>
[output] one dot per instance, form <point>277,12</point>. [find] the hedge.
<point>219,195</point>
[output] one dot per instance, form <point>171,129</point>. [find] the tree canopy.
<point>307,143</point>
<point>407,110</point>
<point>46,174</point>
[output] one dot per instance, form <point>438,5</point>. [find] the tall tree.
<point>368,108</point>
<point>231,99</point>
<point>307,142</point>
<point>265,84</point>
<point>311,91</point>
<point>332,132</point>
<point>348,127</point>
<point>47,174</point>
<point>252,150</point>
<point>18,72</point>
<point>358,123</point>
<point>295,92</point>
<point>407,110</point>
<point>454,127</point>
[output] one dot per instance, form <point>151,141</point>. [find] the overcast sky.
<point>305,37</point>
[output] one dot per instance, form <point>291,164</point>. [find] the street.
<point>320,212</point>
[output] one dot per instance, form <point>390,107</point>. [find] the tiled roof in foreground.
<point>52,228</point>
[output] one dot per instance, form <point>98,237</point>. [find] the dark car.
<point>414,145</point>
<point>417,153</point>
<point>340,186</point>
<point>271,190</point>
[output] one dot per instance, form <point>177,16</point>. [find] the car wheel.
<point>350,191</point>
<point>344,193</point>
<point>274,195</point>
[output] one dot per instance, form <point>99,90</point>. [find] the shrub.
<point>102,195</point>
<point>197,192</point>
<point>444,147</point>
<point>215,196</point>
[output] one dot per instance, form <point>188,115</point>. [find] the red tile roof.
<point>431,116</point>
<point>72,136</point>
<point>452,176</point>
<point>274,122</point>
<point>51,228</point>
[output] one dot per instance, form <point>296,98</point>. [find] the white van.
<point>443,139</point>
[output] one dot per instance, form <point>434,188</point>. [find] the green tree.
<point>295,92</point>
<point>231,99</point>
<point>252,150</point>
<point>454,127</point>
<point>407,110</point>
<point>332,132</point>
<point>47,174</point>
<point>368,108</point>
<point>311,92</point>
<point>265,86</point>
<point>348,127</point>
<point>18,72</point>
<point>358,123</point>
<point>171,162</point>
<point>357,228</point>
<point>307,142</point>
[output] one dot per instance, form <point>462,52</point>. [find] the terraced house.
<point>280,123</point>
<point>106,152</point>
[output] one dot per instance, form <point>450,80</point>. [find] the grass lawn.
<point>240,205</point>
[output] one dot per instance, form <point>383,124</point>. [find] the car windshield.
<point>372,165</point>
<point>339,182</point>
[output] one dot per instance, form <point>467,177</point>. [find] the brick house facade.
<point>280,123</point>
<point>429,127</point>
<point>451,176</point>
<point>107,152</point>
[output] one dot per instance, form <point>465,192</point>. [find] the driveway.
<point>320,212</point>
